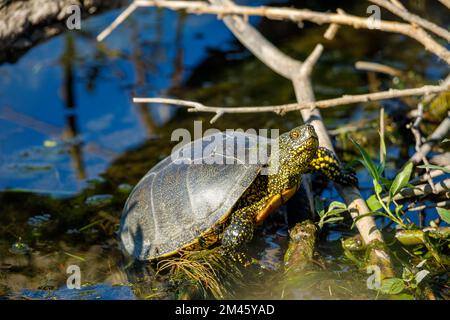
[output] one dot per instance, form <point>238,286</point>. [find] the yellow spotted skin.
<point>298,153</point>
<point>326,163</point>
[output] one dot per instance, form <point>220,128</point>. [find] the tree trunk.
<point>25,23</point>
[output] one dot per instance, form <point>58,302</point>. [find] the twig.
<point>398,4</point>
<point>439,133</point>
<point>121,18</point>
<point>305,105</point>
<point>428,175</point>
<point>420,207</point>
<point>441,159</point>
<point>298,15</point>
<point>377,67</point>
<point>445,3</point>
<point>418,137</point>
<point>331,31</point>
<point>430,97</point>
<point>413,19</point>
<point>421,190</point>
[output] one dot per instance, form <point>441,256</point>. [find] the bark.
<point>23,24</point>
<point>300,252</point>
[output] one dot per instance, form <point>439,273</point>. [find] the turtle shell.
<point>189,192</point>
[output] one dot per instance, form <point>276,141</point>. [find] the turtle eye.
<point>294,134</point>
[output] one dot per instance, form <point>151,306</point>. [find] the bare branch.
<point>432,174</point>
<point>321,104</point>
<point>420,207</point>
<point>333,28</point>
<point>422,190</point>
<point>445,3</point>
<point>377,67</point>
<point>311,61</point>
<point>413,19</point>
<point>439,133</point>
<point>331,31</point>
<point>298,15</point>
<point>119,20</point>
<point>265,51</point>
<point>430,97</point>
<point>418,137</point>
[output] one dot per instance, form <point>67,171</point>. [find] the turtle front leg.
<point>326,163</point>
<point>239,231</point>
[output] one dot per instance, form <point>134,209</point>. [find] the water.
<point>72,143</point>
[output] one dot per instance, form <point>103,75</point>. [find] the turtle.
<point>208,192</point>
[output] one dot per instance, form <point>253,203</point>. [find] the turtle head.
<point>297,148</point>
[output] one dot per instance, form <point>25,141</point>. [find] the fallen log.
<point>24,24</point>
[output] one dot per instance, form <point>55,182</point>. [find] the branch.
<point>418,137</point>
<point>331,31</point>
<point>438,134</point>
<point>422,190</point>
<point>321,104</point>
<point>413,19</point>
<point>377,67</point>
<point>420,207</point>
<point>261,48</point>
<point>429,175</point>
<point>445,3</point>
<point>121,18</point>
<point>299,15</point>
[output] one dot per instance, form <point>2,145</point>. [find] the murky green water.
<point>72,144</point>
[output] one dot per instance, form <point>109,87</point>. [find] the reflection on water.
<point>72,144</point>
<point>74,95</point>
<point>95,292</point>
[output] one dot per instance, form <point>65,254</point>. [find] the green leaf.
<point>421,275</point>
<point>392,286</point>
<point>398,209</point>
<point>335,212</point>
<point>377,186</point>
<point>373,203</point>
<point>337,205</point>
<point>444,214</point>
<point>407,275</point>
<point>434,167</point>
<point>333,219</point>
<point>401,179</point>
<point>367,161</point>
